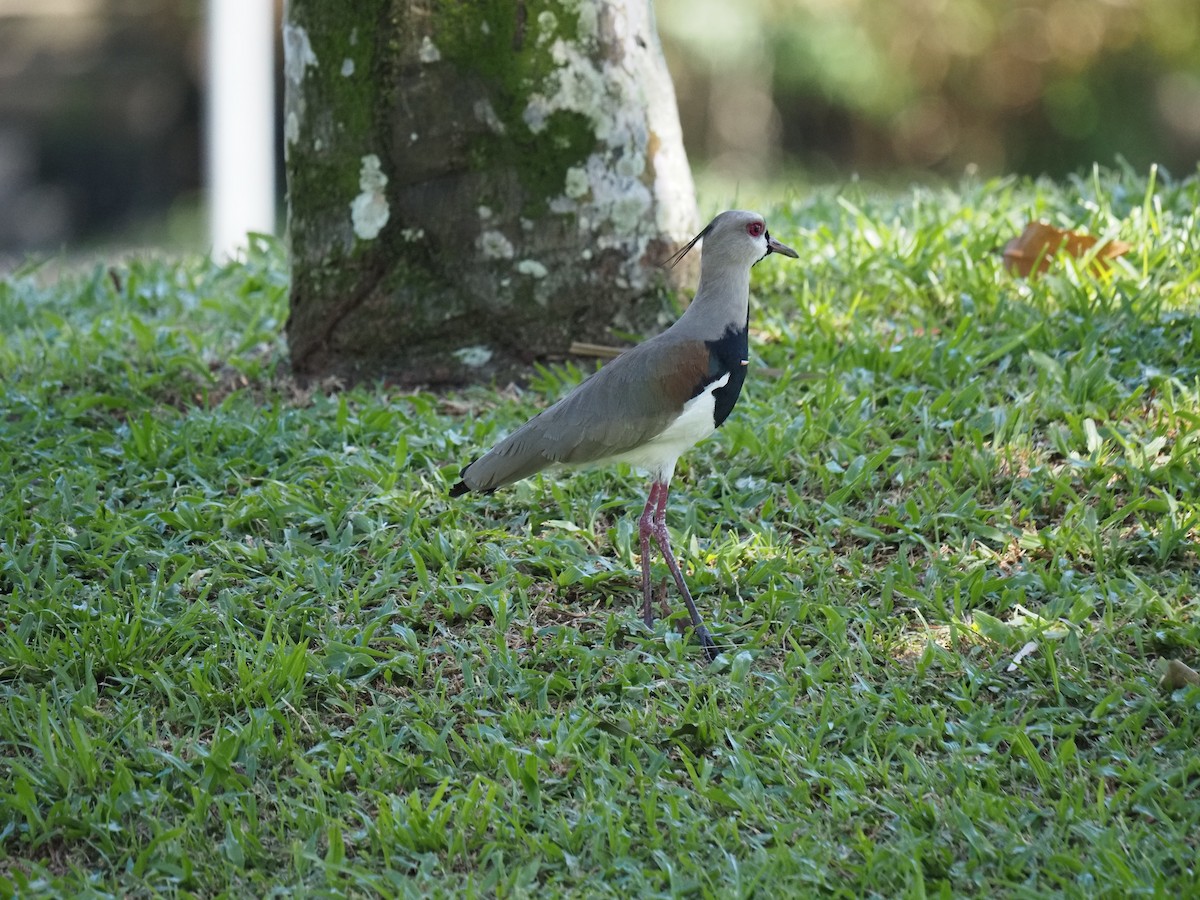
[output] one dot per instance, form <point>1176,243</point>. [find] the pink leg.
<point>653,524</point>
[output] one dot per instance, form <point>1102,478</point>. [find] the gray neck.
<point>722,300</point>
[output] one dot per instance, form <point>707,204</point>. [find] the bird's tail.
<point>509,461</point>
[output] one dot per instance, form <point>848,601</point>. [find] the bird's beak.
<point>773,246</point>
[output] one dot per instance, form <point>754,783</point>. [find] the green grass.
<point>249,647</point>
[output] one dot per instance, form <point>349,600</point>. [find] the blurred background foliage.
<point>100,100</point>
<point>904,87</point>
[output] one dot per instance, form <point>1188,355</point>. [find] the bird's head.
<point>735,238</point>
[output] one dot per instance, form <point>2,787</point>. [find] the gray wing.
<point>628,402</point>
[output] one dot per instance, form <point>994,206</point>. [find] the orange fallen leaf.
<point>1039,242</point>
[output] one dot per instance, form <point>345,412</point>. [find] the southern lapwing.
<point>656,400</point>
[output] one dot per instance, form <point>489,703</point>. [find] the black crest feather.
<point>673,260</point>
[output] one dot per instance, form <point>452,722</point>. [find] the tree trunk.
<point>475,184</point>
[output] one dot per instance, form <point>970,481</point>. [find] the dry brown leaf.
<point>456,407</point>
<point>1040,241</point>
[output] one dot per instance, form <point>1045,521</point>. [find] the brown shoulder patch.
<point>684,370</point>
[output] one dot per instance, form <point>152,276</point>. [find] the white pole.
<point>240,122</point>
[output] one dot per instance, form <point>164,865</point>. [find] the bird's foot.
<point>707,643</point>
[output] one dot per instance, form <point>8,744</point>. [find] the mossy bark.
<point>474,184</point>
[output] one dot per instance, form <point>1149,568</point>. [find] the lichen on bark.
<point>526,184</point>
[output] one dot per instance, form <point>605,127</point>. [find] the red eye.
<point>755,229</point>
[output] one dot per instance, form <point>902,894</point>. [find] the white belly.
<point>658,457</point>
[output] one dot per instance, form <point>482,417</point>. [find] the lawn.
<point>948,538</point>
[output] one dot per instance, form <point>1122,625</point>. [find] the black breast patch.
<point>728,354</point>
